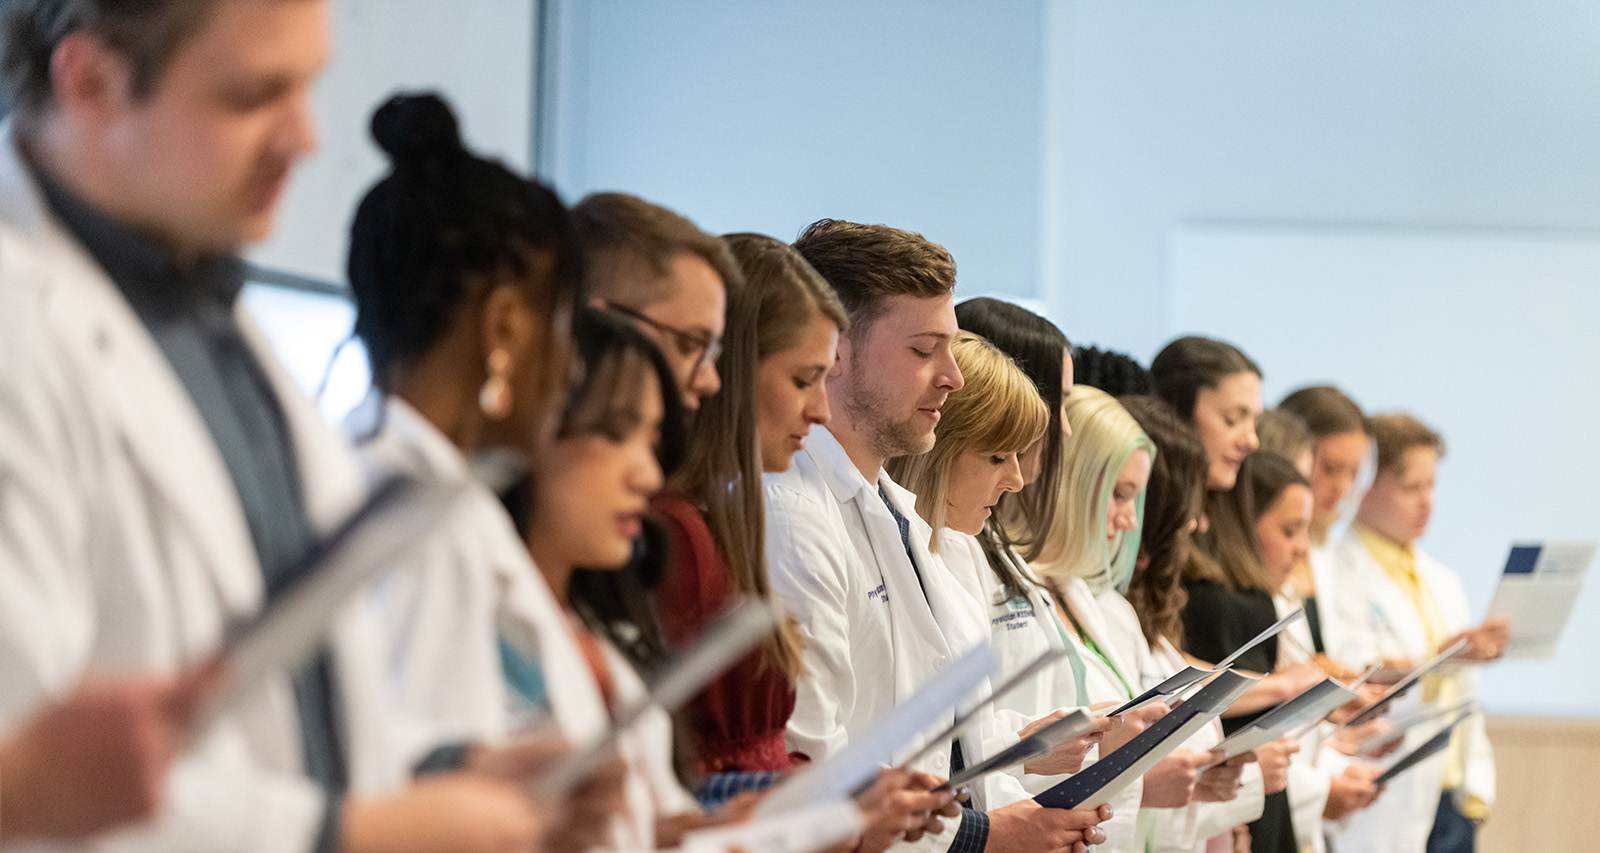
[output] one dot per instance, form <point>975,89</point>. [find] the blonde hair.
<point>1103,438</point>
<point>998,410</point>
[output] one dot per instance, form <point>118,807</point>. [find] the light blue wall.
<point>765,116</point>
<point>1456,113</point>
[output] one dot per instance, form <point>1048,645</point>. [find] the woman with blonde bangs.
<point>983,430</point>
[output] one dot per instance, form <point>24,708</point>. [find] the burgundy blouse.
<point>739,720</point>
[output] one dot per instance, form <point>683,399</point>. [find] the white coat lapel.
<point>1082,602</point>
<point>1399,629</point>
<point>919,646</point>
<point>146,403</point>
<point>958,615</point>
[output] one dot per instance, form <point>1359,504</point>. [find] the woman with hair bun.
<point>1115,373</point>
<point>464,277</point>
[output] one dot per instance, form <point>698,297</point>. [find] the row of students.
<point>162,477</point>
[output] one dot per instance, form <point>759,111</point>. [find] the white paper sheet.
<point>1308,707</point>
<point>801,831</point>
<point>1536,593</point>
<point>834,777</point>
<point>1040,742</point>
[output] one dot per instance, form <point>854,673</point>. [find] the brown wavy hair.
<point>1172,501</point>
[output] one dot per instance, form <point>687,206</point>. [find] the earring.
<point>495,396</point>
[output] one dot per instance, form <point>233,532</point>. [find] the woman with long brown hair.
<point>1216,389</point>
<point>783,327</point>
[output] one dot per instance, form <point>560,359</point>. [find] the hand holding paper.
<point>1402,686</point>
<point>1131,724</point>
<point>1098,782</point>
<point>1485,643</point>
<point>1351,791</point>
<point>853,768</point>
<point>1274,760</point>
<point>1067,753</point>
<point>1536,594</point>
<point>1063,731</point>
<point>1027,826</point>
<point>903,806</point>
<point>1170,783</point>
<point>1221,782</point>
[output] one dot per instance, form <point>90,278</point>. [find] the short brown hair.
<point>146,32</point>
<point>1283,432</point>
<point>1397,432</point>
<point>1326,410</point>
<point>629,243</point>
<point>865,263</point>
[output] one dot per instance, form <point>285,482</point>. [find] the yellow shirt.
<point>1399,562</point>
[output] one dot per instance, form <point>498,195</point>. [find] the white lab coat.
<point>1021,631</point>
<point>1103,684</point>
<point>1188,828</point>
<point>472,584</point>
<point>1403,816</point>
<point>1344,631</point>
<point>872,636</point>
<point>123,547</point>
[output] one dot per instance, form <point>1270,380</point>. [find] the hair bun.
<point>413,125</point>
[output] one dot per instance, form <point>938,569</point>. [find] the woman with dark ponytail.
<point>464,277</point>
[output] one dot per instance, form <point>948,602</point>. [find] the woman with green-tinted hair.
<point>1087,561</point>
<point>1096,533</point>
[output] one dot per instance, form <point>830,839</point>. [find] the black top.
<point>1216,622</point>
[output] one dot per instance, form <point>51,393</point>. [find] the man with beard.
<point>848,553</point>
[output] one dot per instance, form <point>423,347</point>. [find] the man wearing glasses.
<point>663,274</point>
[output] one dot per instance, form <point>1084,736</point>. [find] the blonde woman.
<point>1088,559</point>
<point>983,430</point>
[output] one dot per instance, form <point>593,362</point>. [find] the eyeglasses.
<point>703,349</point>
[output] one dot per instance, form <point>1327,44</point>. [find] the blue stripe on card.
<point>1522,559</point>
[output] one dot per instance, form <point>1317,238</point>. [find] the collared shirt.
<point>1399,563</point>
<point>189,312</point>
